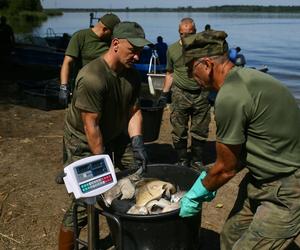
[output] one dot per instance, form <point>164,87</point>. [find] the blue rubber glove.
<point>191,202</point>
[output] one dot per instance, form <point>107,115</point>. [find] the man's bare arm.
<point>168,82</point>
<point>93,132</point>
<point>135,124</point>
<point>225,167</point>
<point>66,69</point>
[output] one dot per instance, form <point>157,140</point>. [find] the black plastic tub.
<point>44,99</point>
<point>152,115</point>
<point>157,232</point>
<point>41,94</point>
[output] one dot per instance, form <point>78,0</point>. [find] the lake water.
<point>265,38</point>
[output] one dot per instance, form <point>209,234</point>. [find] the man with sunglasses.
<point>189,104</point>
<point>104,109</point>
<point>258,123</point>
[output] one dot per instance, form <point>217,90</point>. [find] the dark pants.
<point>190,112</point>
<point>265,215</point>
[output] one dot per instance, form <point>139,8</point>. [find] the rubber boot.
<point>66,239</point>
<point>197,150</point>
<point>181,150</point>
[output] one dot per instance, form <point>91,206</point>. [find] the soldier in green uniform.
<point>258,123</point>
<point>189,103</point>
<point>85,46</point>
<point>104,107</point>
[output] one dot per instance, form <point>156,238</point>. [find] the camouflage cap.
<point>131,31</point>
<point>206,43</point>
<point>110,20</point>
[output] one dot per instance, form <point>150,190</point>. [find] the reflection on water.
<point>270,39</point>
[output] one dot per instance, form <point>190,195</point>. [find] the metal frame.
<point>93,227</point>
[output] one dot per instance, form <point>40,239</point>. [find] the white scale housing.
<point>90,176</point>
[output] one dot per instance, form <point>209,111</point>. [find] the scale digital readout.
<point>90,176</point>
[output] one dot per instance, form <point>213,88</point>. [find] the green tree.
<point>25,5</point>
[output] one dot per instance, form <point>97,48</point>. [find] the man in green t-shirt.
<point>189,103</point>
<point>258,124</point>
<point>85,46</point>
<point>104,107</point>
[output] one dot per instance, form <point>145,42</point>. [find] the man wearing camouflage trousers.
<point>189,103</point>
<point>104,107</point>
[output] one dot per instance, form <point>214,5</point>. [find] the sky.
<point>158,3</point>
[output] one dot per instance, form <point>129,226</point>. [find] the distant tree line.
<point>21,5</point>
<point>23,14</point>
<point>224,8</point>
<point>31,9</point>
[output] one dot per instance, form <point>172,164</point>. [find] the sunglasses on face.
<point>183,35</point>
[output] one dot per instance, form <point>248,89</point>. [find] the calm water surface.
<point>265,39</point>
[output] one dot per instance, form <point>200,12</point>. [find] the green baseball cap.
<point>206,43</point>
<point>110,20</point>
<point>131,31</point>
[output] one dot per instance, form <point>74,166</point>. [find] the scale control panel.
<point>90,176</point>
<point>91,185</point>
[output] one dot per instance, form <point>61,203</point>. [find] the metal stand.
<point>93,224</point>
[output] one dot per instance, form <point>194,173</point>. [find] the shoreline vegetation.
<point>221,9</point>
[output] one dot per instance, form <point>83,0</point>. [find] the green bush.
<point>25,5</point>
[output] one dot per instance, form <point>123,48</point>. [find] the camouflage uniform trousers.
<point>188,106</point>
<point>265,215</point>
<point>74,149</point>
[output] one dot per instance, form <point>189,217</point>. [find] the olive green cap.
<point>206,43</point>
<point>110,20</point>
<point>131,31</point>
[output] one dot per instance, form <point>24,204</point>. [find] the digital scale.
<point>89,177</point>
<point>86,179</point>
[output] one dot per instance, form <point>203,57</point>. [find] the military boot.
<point>181,150</point>
<point>66,239</point>
<point>197,150</point>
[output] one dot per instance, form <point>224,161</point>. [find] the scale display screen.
<point>91,170</point>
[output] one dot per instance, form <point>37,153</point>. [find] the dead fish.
<point>111,194</point>
<point>177,196</point>
<point>171,207</point>
<point>125,188</point>
<point>161,206</point>
<point>156,206</point>
<point>137,210</point>
<point>152,190</point>
<point>136,176</point>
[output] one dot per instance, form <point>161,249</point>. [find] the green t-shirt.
<point>180,75</point>
<point>101,90</point>
<point>256,110</point>
<point>85,46</point>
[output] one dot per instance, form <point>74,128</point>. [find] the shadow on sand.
<point>165,153</point>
